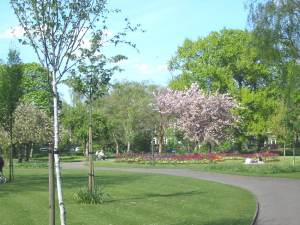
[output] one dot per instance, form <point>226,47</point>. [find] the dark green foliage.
<point>223,61</point>
<point>275,25</point>
<point>36,87</point>
<point>75,121</point>
<point>10,89</point>
<point>227,62</point>
<point>130,115</point>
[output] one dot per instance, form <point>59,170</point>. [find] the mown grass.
<point>63,158</point>
<point>282,168</point>
<point>136,199</point>
<point>42,161</point>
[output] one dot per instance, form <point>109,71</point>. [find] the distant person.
<point>100,155</point>
<point>1,165</point>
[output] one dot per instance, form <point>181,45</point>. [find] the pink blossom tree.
<point>201,117</point>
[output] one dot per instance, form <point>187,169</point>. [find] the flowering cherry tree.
<point>200,116</point>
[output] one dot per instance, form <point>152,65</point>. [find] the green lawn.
<point>137,199</point>
<point>282,168</point>
<point>63,158</point>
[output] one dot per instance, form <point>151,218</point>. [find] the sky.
<point>167,24</point>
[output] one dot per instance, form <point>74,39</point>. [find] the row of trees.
<point>24,108</point>
<point>57,31</point>
<point>229,61</point>
<point>259,68</point>
<point>122,119</point>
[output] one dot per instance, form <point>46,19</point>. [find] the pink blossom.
<point>199,115</point>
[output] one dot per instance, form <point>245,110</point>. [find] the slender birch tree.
<point>57,30</point>
<point>91,81</point>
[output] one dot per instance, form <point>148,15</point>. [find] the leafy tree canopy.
<point>223,61</point>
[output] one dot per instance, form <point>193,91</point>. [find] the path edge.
<point>254,218</point>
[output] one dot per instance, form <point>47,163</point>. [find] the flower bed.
<point>194,158</point>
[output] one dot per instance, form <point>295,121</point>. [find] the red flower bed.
<point>192,158</point>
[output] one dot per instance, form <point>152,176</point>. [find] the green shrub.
<point>97,196</point>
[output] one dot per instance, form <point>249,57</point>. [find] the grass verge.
<point>282,168</point>
<point>136,199</point>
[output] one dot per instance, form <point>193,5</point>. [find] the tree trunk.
<point>51,187</point>
<point>31,151</point>
<point>209,147</point>
<point>90,152</point>
<point>25,152</point>
<point>161,135</point>
<point>160,146</point>
<point>56,152</point>
<point>117,144</point>
<point>11,162</point>
<point>22,152</point>
<point>86,150</point>
<point>128,146</point>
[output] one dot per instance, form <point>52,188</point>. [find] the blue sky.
<point>167,24</point>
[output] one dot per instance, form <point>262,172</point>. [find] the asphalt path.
<point>278,198</point>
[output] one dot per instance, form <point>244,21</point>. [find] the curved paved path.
<point>279,198</point>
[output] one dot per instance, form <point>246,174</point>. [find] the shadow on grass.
<point>225,221</point>
<point>33,182</point>
<point>71,181</point>
<point>157,195</point>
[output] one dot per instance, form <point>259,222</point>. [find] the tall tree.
<point>223,61</point>
<point>57,30</point>
<point>164,117</point>
<point>75,119</point>
<point>227,62</point>
<point>91,81</point>
<point>32,126</point>
<point>10,94</point>
<point>200,116</point>
<point>275,25</point>
<point>129,110</point>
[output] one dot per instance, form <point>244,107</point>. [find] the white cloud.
<point>147,69</point>
<point>162,68</point>
<point>14,32</point>
<point>143,68</point>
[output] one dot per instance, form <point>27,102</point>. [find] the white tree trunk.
<point>128,146</point>
<point>56,153</point>
<point>31,151</point>
<point>117,144</point>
